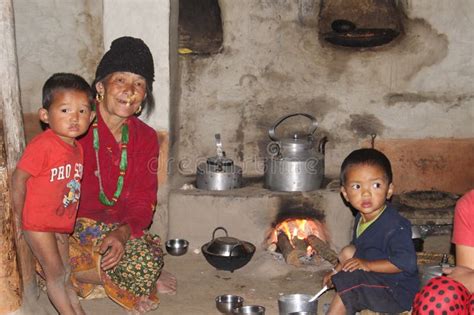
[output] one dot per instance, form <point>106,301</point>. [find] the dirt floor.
<point>260,282</point>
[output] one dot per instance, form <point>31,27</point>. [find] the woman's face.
<point>123,93</point>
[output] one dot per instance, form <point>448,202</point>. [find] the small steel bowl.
<point>249,310</point>
<point>177,246</point>
<point>226,303</point>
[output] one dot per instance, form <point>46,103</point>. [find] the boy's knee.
<point>346,253</point>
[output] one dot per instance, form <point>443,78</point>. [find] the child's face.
<point>69,114</point>
<point>366,189</point>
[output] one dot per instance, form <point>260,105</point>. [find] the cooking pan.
<point>227,253</point>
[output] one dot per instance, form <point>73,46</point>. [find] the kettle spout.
<point>322,145</point>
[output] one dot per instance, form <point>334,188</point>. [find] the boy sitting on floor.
<point>378,271</point>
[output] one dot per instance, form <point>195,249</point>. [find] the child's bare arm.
<point>19,179</point>
<point>382,265</point>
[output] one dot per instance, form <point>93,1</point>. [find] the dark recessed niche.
<point>360,24</point>
<point>200,27</point>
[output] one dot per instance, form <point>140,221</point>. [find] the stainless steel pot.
<point>288,304</point>
<point>428,272</point>
<point>218,172</point>
<point>297,163</point>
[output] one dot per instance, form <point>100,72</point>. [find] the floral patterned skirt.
<point>133,278</point>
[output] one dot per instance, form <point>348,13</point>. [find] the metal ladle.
<point>324,289</point>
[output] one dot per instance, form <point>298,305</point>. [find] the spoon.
<point>324,289</point>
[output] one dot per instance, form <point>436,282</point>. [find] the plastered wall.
<point>55,36</point>
<point>418,87</point>
<point>273,63</point>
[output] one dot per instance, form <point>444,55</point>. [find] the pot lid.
<point>226,245</point>
<point>225,241</point>
<point>222,161</point>
<point>298,141</point>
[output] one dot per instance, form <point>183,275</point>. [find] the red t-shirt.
<point>463,233</point>
<point>54,188</point>
<point>136,204</point>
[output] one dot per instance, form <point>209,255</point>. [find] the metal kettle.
<point>218,172</point>
<point>296,163</point>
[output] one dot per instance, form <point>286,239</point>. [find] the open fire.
<point>300,240</point>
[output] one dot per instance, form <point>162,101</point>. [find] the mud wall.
<point>55,36</point>
<point>272,63</point>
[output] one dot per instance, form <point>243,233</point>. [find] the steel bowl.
<point>177,246</point>
<point>249,310</point>
<point>227,302</point>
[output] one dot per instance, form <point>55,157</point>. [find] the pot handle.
<point>314,125</point>
<point>219,228</point>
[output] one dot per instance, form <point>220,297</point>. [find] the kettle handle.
<point>219,228</point>
<point>314,124</point>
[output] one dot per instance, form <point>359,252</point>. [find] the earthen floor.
<point>260,282</point>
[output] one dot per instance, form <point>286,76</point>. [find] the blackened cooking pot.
<point>227,253</point>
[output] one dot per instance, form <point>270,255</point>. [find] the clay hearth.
<point>250,212</point>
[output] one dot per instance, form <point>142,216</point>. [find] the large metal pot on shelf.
<point>218,172</point>
<point>296,163</point>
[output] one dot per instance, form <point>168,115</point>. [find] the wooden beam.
<point>14,138</point>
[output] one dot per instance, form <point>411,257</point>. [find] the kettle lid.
<point>217,160</point>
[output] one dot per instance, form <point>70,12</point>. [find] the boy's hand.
<point>327,279</point>
<point>354,264</point>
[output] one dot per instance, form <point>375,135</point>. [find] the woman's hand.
<point>112,247</point>
<point>463,275</point>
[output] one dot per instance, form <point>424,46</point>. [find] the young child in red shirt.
<point>46,183</point>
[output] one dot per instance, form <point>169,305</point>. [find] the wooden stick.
<point>299,244</point>
<point>18,273</point>
<point>322,249</point>
<point>292,255</point>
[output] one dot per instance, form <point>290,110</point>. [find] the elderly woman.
<point>110,244</point>
<point>453,293</point>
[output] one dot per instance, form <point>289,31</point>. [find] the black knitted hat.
<point>127,54</point>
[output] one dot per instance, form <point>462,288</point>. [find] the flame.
<point>300,229</point>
